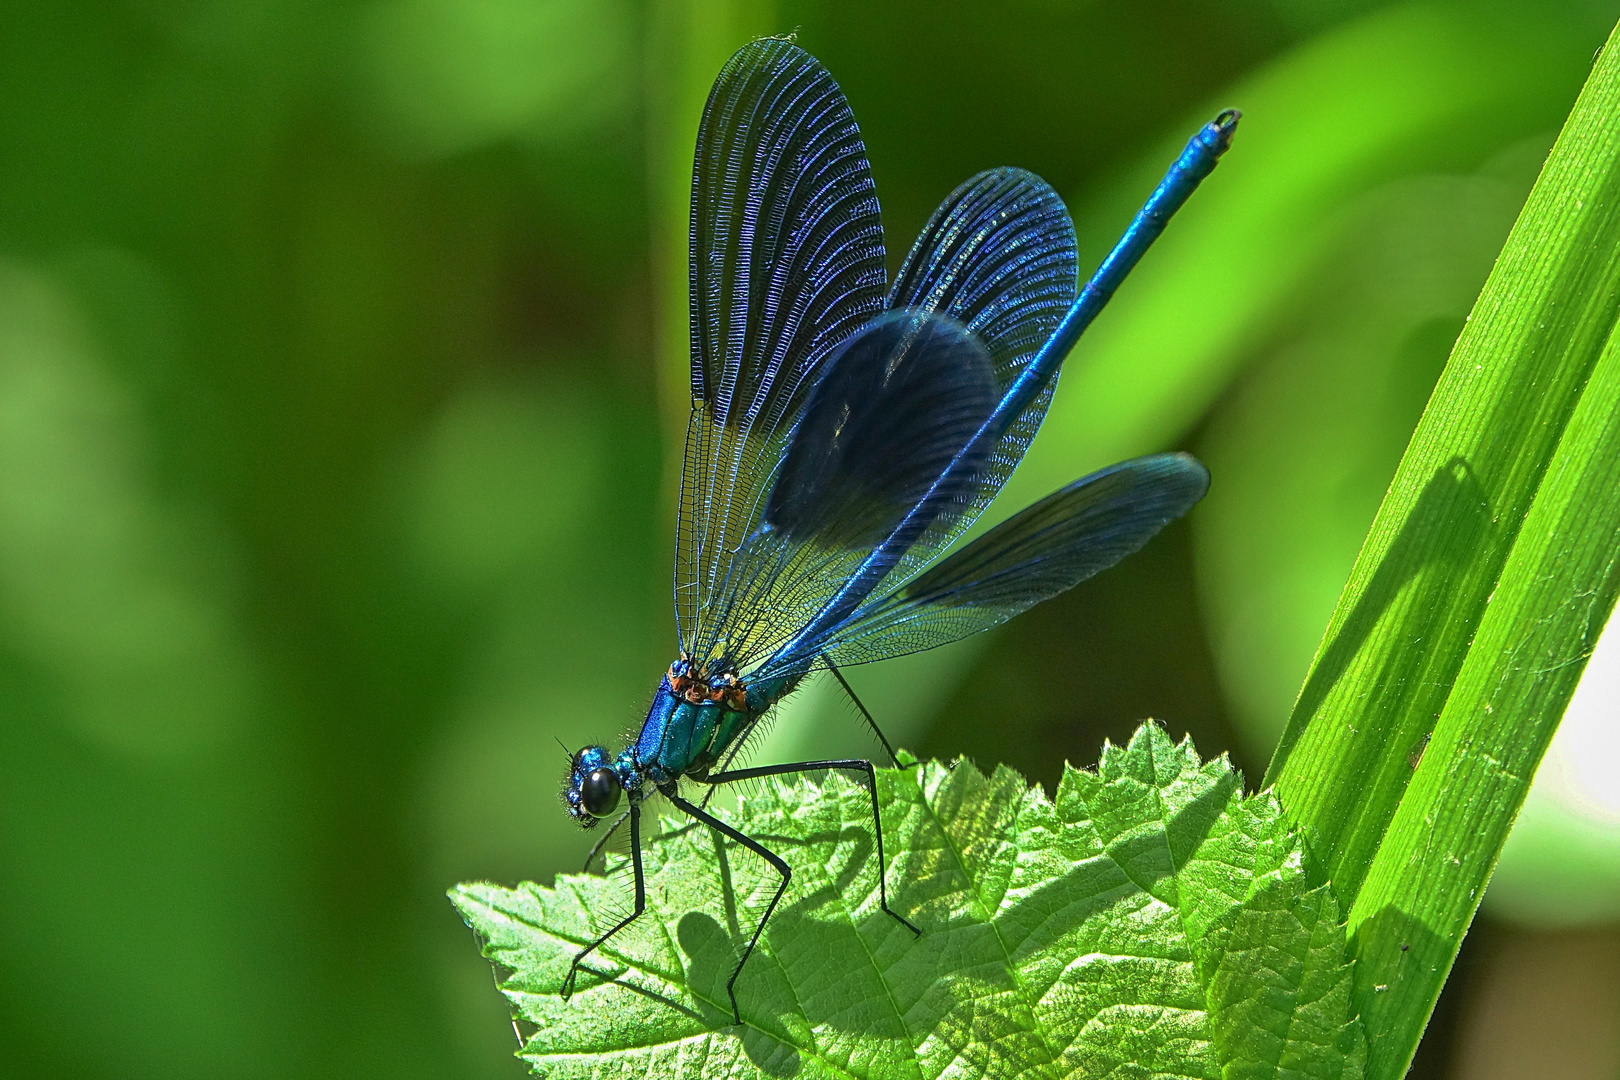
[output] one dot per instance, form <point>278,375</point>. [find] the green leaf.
<point>1477,597</point>
<point>1149,921</point>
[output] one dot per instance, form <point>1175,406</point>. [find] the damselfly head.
<point>592,788</point>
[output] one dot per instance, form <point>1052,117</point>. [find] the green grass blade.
<point>1477,596</point>
<point>1543,622</point>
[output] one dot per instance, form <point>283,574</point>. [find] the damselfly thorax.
<point>846,431</point>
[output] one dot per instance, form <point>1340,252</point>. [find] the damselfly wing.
<point>845,431</point>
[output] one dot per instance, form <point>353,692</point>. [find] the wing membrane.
<point>1037,554</point>
<point>786,262</point>
<point>999,257</point>
<point>900,399</point>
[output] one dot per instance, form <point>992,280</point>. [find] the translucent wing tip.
<point>1194,473</point>
<point>1178,481</point>
<point>762,52</point>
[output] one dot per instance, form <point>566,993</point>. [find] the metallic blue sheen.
<point>1196,162</point>
<point>680,738</point>
<point>842,436</point>
<point>844,432</point>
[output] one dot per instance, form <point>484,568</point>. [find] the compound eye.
<point>600,792</point>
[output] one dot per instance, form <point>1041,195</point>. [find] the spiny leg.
<point>641,902</point>
<point>854,765</point>
<point>867,716</point>
<point>763,852</point>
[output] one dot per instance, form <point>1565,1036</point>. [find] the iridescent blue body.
<point>846,430</point>
<point>682,738</point>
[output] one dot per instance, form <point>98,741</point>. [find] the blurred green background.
<point>340,388</point>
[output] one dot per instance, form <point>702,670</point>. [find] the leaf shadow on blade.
<point>1388,946</point>
<point>1419,576</point>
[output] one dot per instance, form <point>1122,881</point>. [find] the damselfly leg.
<point>865,713</point>
<point>852,764</point>
<point>641,902</point>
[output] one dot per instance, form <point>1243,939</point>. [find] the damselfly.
<point>844,431</point>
